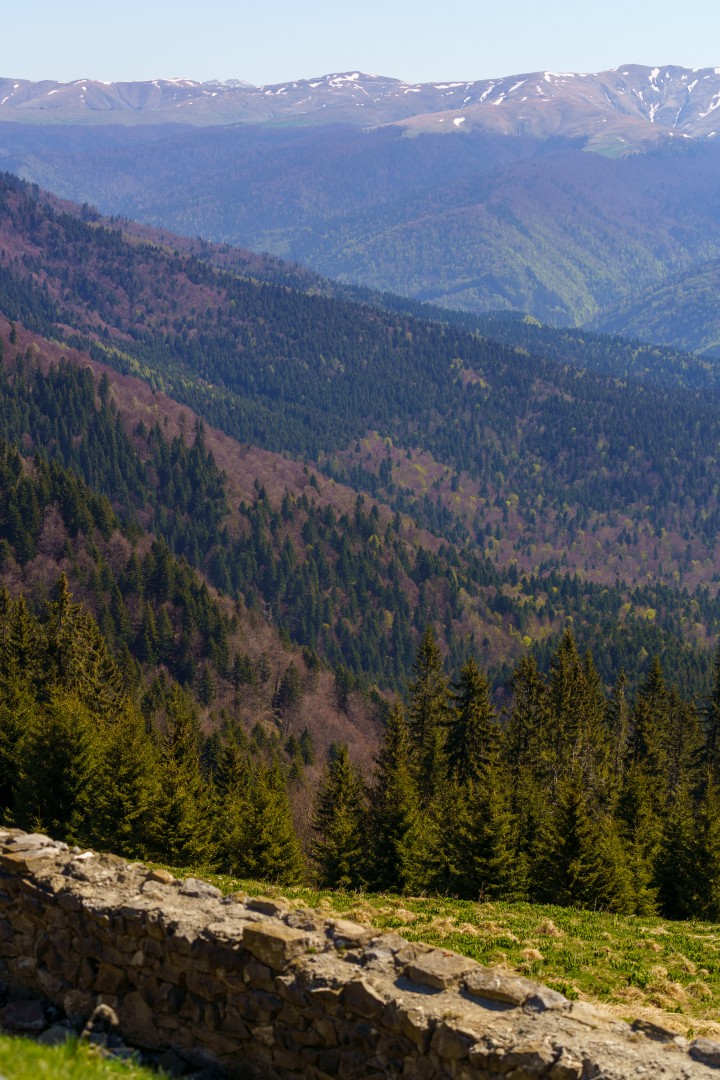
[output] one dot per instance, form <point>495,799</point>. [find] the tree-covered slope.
<point>681,312</point>
<point>473,220</point>
<point>502,491</point>
<point>185,617</point>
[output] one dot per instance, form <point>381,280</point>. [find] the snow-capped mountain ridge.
<point>628,104</point>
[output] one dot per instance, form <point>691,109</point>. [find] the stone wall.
<point>260,989</point>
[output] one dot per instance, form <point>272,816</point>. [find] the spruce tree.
<point>60,775</point>
<point>473,736</point>
<point>488,858</point>
<point>428,716</point>
<point>340,844</point>
<point>582,856</point>
<point>676,868</point>
<point>393,805</point>
<point>707,869</point>
<point>181,819</point>
<point>128,789</point>
<point>711,755</point>
<point>267,845</point>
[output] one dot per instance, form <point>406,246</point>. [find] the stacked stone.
<point>253,987</point>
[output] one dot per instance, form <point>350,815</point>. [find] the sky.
<point>284,40</point>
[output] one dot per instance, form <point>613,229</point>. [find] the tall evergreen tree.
<point>181,822</point>
<point>128,789</point>
<point>59,781</point>
<point>428,715</point>
<point>393,805</point>
<point>473,735</point>
<point>340,844</point>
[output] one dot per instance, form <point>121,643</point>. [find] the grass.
<point>638,966</point>
<point>22,1059</point>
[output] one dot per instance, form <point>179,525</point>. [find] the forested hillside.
<point>681,311</point>
<point>237,519</point>
<point>470,219</point>
<point>503,491</point>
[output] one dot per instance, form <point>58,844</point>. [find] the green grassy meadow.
<point>23,1059</point>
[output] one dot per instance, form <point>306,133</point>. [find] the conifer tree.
<point>393,804</point>
<point>526,759</point>
<point>59,780</point>
<point>256,836</point>
<point>648,743</point>
<point>340,844</point>
<point>711,755</point>
<point>181,822</point>
<point>618,723</point>
<point>640,827</point>
<point>128,788</point>
<point>528,718</point>
<point>267,846</point>
<point>707,869</point>
<point>428,715</point>
<point>473,736</point>
<point>676,867</point>
<point>488,858</point>
<point>77,658</point>
<point>21,675</point>
<point>582,857</point>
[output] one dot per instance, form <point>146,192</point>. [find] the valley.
<point>562,195</point>
<point>359,513</point>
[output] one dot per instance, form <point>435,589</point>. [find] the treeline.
<point>571,796</point>
<point>576,798</point>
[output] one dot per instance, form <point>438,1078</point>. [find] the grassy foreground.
<point>638,966</point>
<point>22,1059</point>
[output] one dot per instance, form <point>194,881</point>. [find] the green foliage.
<point>23,1059</point>
<point>339,824</point>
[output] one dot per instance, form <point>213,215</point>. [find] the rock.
<point>201,889</point>
<point>495,985</point>
<point>363,999</point>
<point>706,1051</point>
<point>78,1005</point>
<point>439,969</point>
<point>137,1023</point>
<point>343,932</point>
<point>267,906</point>
<point>173,1064</point>
<point>451,1040</point>
<point>274,943</point>
<point>164,877</point>
<point>543,999</point>
<point>56,1035</point>
<point>566,1067</point>
<point>25,1017</point>
<point>653,1031</point>
<point>593,1017</point>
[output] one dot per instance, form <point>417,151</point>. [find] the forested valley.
<point>282,570</point>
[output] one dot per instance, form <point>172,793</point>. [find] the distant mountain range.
<point>343,175</point>
<point>623,107</point>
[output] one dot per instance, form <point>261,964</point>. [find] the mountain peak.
<point>624,107</point>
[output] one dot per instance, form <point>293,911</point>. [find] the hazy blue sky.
<point>290,39</point>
